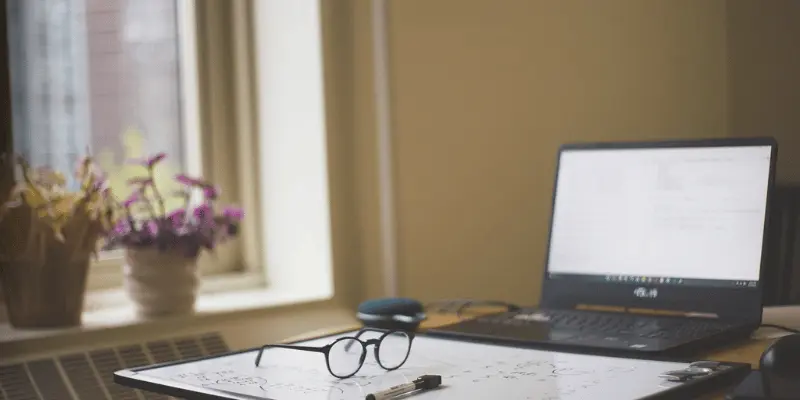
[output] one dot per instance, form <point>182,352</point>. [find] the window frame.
<point>6,141</point>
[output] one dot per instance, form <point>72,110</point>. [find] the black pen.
<point>424,382</point>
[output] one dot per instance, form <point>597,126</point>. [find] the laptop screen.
<point>675,216</point>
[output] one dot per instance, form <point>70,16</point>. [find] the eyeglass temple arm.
<point>287,346</point>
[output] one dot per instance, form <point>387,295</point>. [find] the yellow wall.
<point>483,92</point>
<point>764,76</point>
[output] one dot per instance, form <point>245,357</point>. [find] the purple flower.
<point>233,213</point>
<point>203,212</point>
<point>151,227</point>
<point>190,229</point>
<point>133,198</point>
<point>122,227</point>
<point>149,162</point>
<point>177,217</point>
<point>152,161</point>
<point>189,181</point>
<point>210,192</point>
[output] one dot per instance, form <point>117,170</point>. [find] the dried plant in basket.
<point>43,220</point>
<point>49,234</point>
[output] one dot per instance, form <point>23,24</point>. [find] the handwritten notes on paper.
<point>468,370</point>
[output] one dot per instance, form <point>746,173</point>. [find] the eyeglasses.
<point>345,355</point>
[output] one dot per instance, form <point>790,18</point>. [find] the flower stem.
<point>131,222</point>
<point>187,198</point>
<point>157,194</point>
<point>149,203</point>
<point>127,212</point>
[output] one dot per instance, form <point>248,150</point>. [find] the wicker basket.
<point>44,295</point>
<point>45,284</point>
<point>46,242</point>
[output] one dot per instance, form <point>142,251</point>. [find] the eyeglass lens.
<point>347,354</point>
<point>345,357</point>
<point>393,350</point>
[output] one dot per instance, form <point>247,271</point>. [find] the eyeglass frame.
<point>327,348</point>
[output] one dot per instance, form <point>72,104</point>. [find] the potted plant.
<point>49,234</point>
<point>162,246</point>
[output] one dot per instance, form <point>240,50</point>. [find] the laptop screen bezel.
<point>744,303</point>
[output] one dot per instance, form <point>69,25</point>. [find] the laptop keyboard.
<point>613,324</point>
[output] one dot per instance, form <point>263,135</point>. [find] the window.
<point>117,77</point>
<point>232,90</point>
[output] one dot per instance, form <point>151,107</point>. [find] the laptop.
<point>654,248</point>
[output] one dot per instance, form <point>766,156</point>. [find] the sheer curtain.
<point>95,74</point>
<point>49,80</point>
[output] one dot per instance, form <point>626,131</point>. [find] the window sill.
<point>100,316</point>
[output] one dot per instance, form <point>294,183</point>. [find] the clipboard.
<point>468,370</point>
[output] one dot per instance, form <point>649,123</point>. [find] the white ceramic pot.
<point>160,283</point>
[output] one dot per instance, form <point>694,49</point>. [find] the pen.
<point>424,382</point>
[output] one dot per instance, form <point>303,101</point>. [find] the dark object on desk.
<point>753,388</point>
<point>782,357</point>
<point>615,284</point>
<point>780,367</point>
<point>779,374</point>
<point>391,313</point>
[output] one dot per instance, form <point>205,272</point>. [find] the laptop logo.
<point>645,293</point>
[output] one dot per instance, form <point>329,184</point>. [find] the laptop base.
<point>602,333</point>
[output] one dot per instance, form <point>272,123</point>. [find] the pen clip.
<point>694,370</point>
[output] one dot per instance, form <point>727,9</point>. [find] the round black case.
<point>391,313</point>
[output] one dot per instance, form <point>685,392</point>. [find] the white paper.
<point>468,370</point>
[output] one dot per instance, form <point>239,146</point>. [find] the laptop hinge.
<point>647,311</point>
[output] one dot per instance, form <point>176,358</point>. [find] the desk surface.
<point>748,352</point>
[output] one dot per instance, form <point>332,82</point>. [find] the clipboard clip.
<point>697,369</point>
